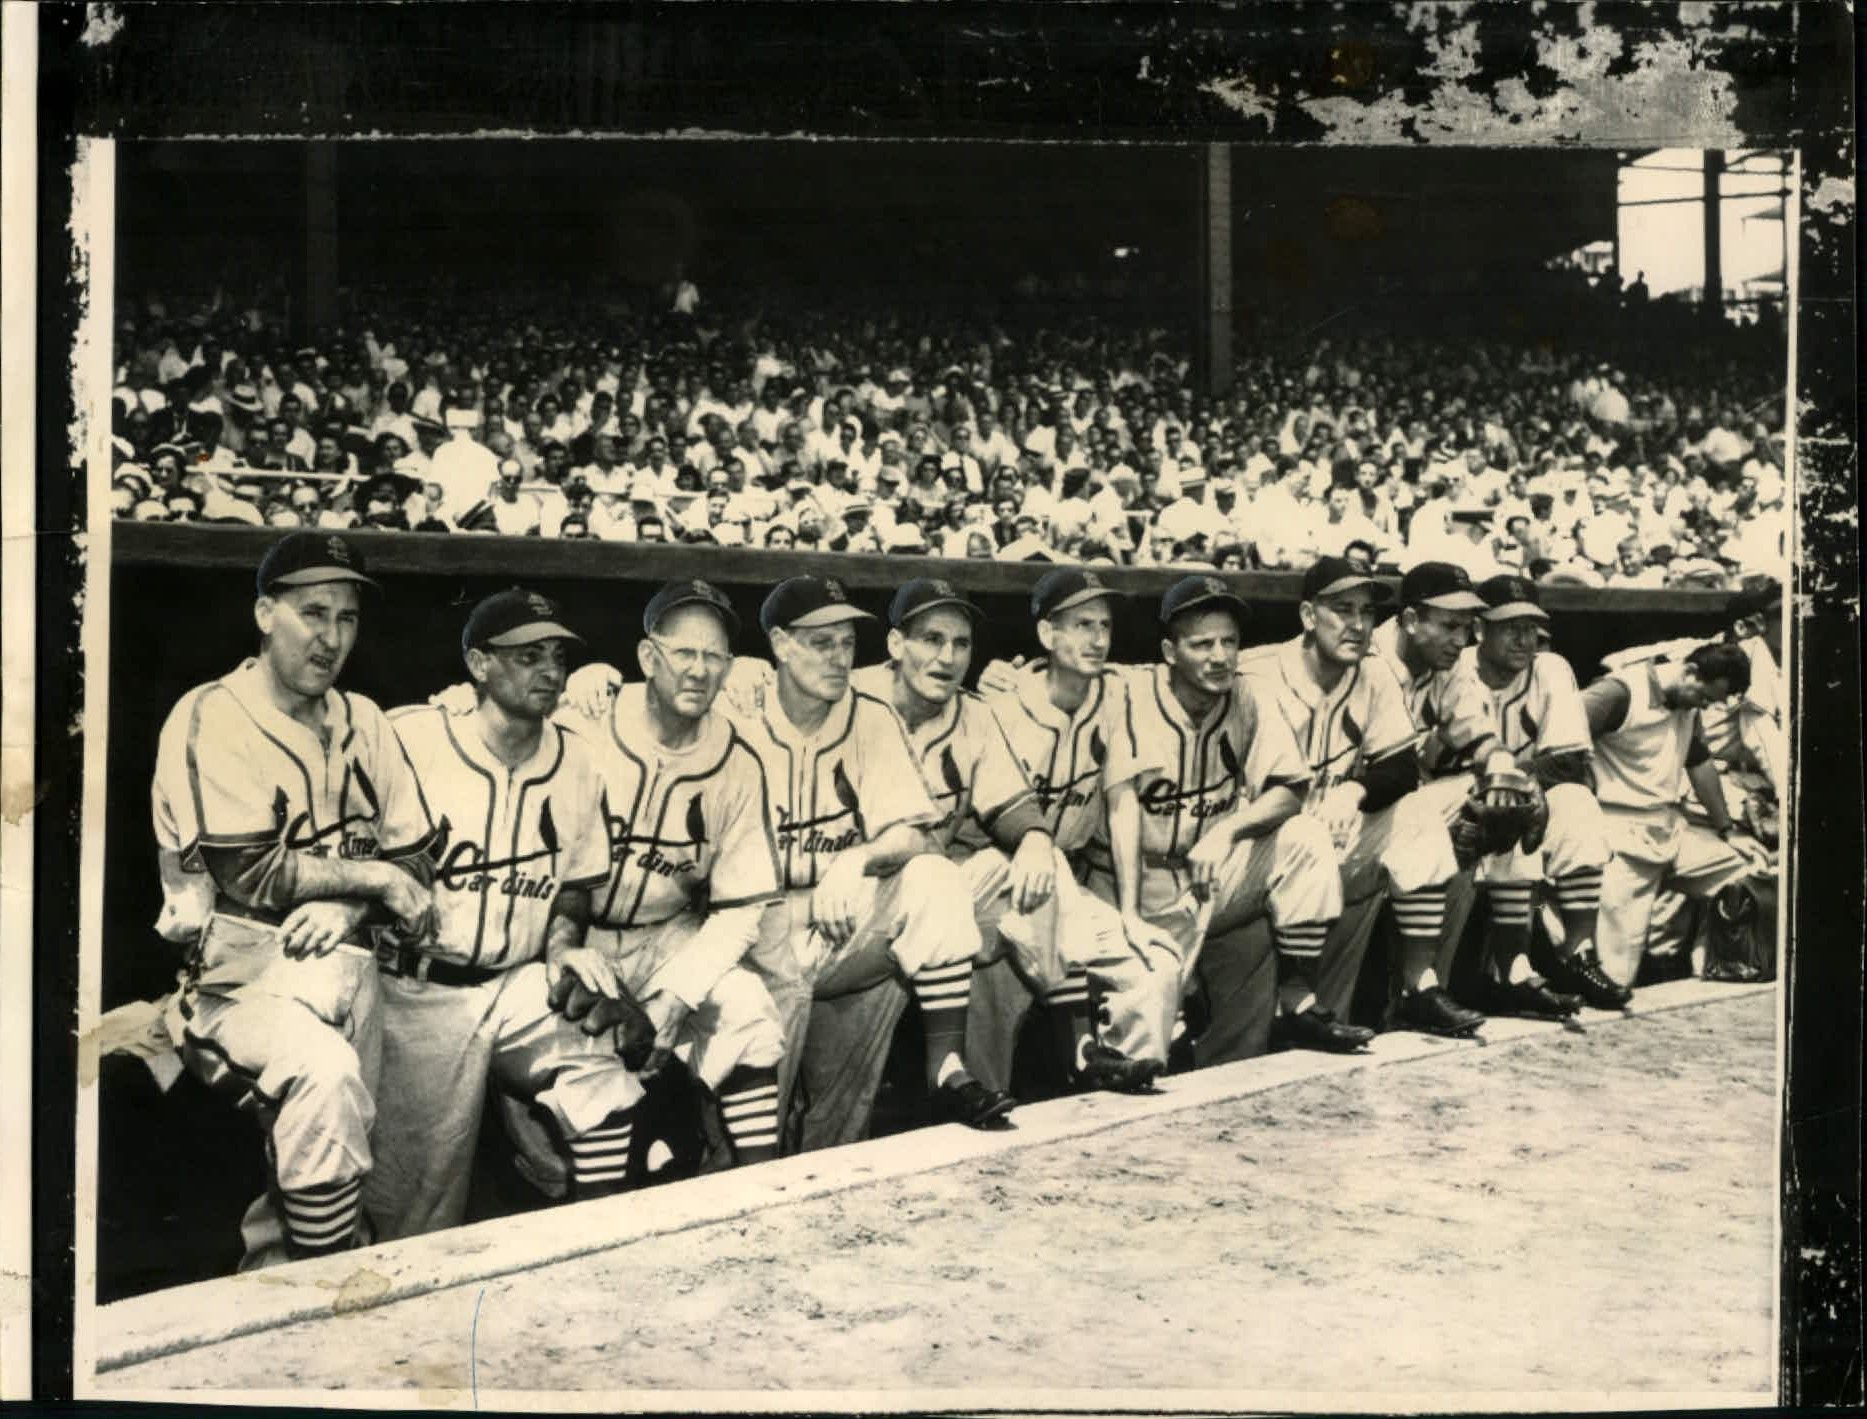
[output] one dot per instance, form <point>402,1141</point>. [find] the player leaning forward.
<point>1026,902</point>
<point>522,848</point>
<point>1204,834</point>
<point>286,818</point>
<point>867,899</point>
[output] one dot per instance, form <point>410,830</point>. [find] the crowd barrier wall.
<point>181,612</point>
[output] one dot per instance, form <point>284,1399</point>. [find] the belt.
<point>1162,861</point>
<point>412,964</point>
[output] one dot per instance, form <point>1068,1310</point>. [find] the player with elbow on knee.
<point>288,822</point>
<point>1026,902</point>
<point>1349,715</point>
<point>1648,748</point>
<point>1204,835</point>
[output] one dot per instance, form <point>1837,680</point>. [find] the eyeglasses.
<point>687,658</point>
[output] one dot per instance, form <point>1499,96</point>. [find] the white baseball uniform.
<point>472,1004</point>
<point>1640,779</point>
<point>241,792</point>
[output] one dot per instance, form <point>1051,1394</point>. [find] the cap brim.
<point>528,634</point>
<point>1232,603</point>
<point>1516,611</point>
<point>1077,598</point>
<point>1454,601</point>
<point>976,612</point>
<point>828,616</point>
<point>725,613</point>
<point>1381,590</point>
<point>317,576</point>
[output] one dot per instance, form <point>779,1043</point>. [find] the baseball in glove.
<point>597,1014</point>
<point>1505,809</point>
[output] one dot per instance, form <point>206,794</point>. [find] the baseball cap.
<point>689,593</point>
<point>806,601</point>
<point>1511,598</point>
<point>1191,593</point>
<point>308,558</point>
<point>1066,587</point>
<point>1331,576</point>
<point>923,594</point>
<point>1441,585</point>
<point>514,617</point>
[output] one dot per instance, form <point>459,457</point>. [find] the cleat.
<point>1530,999</point>
<point>1317,1028</point>
<point>1433,1012</point>
<point>1111,1070</point>
<point>967,1101</point>
<point>1581,975</point>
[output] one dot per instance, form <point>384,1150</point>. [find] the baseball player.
<point>286,818</point>
<point>694,861</point>
<point>1537,720</point>
<point>1060,715</point>
<point>865,896</point>
<point>1203,833</point>
<point>1491,814</point>
<point>1349,715</point>
<point>1026,900</point>
<point>1647,747</point>
<point>506,988</point>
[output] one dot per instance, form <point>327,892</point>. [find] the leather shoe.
<point>1110,1069</point>
<point>1531,999</point>
<point>1581,974</point>
<point>1433,1012</point>
<point>1317,1028</point>
<point>965,1100</point>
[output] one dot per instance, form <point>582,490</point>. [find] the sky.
<point>1667,242</point>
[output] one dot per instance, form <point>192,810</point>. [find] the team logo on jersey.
<point>652,853</point>
<point>465,867</point>
<point>1162,796</point>
<point>358,808</point>
<point>808,835</point>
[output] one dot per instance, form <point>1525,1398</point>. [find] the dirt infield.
<point>1579,1212</point>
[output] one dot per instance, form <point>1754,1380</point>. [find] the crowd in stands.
<point>1634,462</point>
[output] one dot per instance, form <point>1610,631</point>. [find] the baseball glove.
<point>1505,809</point>
<point>597,1014</point>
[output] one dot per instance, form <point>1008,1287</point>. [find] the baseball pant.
<point>1655,849</point>
<point>914,925</point>
<point>1025,957</point>
<point>1288,877</point>
<point>734,1031</point>
<point>299,1044</point>
<point>441,1046</point>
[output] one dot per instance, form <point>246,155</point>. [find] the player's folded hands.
<point>1204,861</point>
<point>412,903</point>
<point>319,928</point>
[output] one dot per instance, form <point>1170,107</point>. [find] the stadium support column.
<point>1213,350</point>
<point>1714,249</point>
<point>319,307</point>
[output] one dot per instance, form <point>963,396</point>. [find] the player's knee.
<point>1577,837</point>
<point>745,1011</point>
<point>1303,842</point>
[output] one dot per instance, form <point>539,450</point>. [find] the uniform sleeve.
<point>171,796</point>
<point>403,823</point>
<point>1465,714</point>
<point>1274,759</point>
<point>1604,706</point>
<point>999,784</point>
<point>1133,751</point>
<point>892,789</point>
<point>219,797</point>
<point>1390,727</point>
<point>585,833</point>
<point>1564,723</point>
<point>745,867</point>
